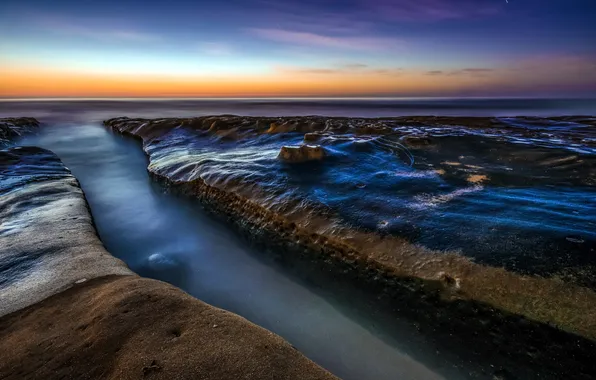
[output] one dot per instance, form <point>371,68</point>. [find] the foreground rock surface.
<point>48,241</point>
<point>134,328</point>
<point>410,194</point>
<point>70,310</point>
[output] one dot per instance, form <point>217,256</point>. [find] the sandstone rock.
<point>372,129</point>
<point>218,125</point>
<point>301,153</point>
<point>310,137</point>
<point>52,231</point>
<point>284,127</point>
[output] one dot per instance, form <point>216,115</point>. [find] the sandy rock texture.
<point>48,241</point>
<point>126,327</point>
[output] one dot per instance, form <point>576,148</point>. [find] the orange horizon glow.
<point>28,82</point>
<point>43,82</point>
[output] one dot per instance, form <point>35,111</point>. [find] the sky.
<point>296,48</point>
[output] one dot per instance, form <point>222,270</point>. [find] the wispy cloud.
<point>326,41</point>
<point>306,70</point>
<point>315,16</point>
<point>360,16</point>
<point>431,10</point>
<point>94,29</point>
<point>353,68</point>
<point>215,48</point>
<point>472,71</point>
<point>475,71</point>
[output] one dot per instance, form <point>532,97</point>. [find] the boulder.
<point>301,153</point>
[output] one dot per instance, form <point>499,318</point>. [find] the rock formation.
<point>491,306</point>
<point>303,153</point>
<point>14,127</point>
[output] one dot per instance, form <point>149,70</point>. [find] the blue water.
<point>371,107</point>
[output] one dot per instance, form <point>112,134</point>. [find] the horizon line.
<point>157,98</point>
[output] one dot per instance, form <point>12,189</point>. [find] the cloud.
<point>215,48</point>
<point>473,71</point>
<point>389,72</point>
<point>362,16</point>
<point>291,70</point>
<point>101,30</point>
<point>325,41</point>
<point>432,10</point>
<point>355,68</point>
<point>315,16</point>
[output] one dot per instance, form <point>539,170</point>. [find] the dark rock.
<point>14,127</point>
<point>416,141</point>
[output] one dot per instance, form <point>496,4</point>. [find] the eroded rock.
<point>47,237</point>
<point>16,126</point>
<point>303,153</point>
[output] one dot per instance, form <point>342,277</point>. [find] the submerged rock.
<point>303,153</point>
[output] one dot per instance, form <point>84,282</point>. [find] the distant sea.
<point>99,109</point>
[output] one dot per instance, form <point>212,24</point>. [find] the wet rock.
<point>303,153</point>
<point>283,127</point>
<point>218,125</point>
<point>449,281</point>
<point>16,126</point>
<point>41,201</point>
<point>372,129</point>
<point>416,141</point>
<point>312,137</point>
<point>575,239</point>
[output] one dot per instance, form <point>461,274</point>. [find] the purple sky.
<point>468,47</point>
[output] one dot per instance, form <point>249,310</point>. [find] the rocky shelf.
<point>70,310</point>
<point>14,127</point>
<point>236,167</point>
